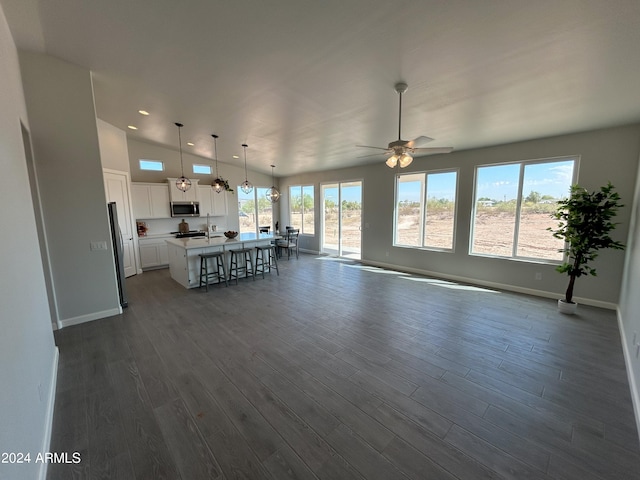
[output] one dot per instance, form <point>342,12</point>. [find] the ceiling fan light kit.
<point>401,150</point>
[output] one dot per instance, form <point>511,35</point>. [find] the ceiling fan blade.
<point>434,150</point>
<point>369,146</point>
<point>379,154</point>
<point>418,142</point>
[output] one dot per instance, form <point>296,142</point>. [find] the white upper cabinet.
<point>150,200</point>
<point>212,203</point>
<point>176,195</point>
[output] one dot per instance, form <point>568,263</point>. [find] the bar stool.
<point>272,261</point>
<point>236,268</point>
<point>206,276</point>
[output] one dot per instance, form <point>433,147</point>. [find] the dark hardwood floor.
<point>335,370</point>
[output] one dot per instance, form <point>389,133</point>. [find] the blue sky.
<point>500,182</point>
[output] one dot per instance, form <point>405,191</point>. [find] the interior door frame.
<point>134,231</point>
<point>339,184</point>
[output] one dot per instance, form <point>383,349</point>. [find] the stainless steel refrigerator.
<point>118,252</point>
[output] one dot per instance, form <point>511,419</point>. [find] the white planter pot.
<point>567,308</point>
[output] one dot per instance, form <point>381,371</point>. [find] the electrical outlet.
<point>94,246</point>
<point>386,253</point>
<point>538,275</point>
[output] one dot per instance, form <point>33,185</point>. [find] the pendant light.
<point>183,183</point>
<point>246,186</point>
<point>273,195</point>
<point>218,183</point>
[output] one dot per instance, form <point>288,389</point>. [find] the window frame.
<point>519,201</point>
<point>424,197</point>
<point>256,199</point>
<point>302,187</point>
<point>201,165</point>
<point>158,162</point>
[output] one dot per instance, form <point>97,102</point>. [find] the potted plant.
<point>584,223</point>
<point>221,184</point>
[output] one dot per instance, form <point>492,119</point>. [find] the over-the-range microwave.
<point>185,209</point>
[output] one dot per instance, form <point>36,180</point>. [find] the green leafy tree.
<point>584,223</point>
<point>249,207</point>
<point>307,202</point>
<point>533,197</point>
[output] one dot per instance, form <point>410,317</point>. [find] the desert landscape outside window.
<point>513,205</point>
<point>426,209</point>
<point>301,202</point>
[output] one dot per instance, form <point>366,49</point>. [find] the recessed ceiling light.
<point>236,156</point>
<point>132,127</point>
<point>190,144</point>
<point>143,112</point>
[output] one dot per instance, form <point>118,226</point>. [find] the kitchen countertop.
<point>202,242</point>
<point>156,235</point>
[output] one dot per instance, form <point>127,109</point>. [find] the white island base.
<point>184,260</point>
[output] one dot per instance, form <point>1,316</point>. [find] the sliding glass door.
<point>342,219</point>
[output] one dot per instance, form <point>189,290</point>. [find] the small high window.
<point>202,169</point>
<point>153,165</point>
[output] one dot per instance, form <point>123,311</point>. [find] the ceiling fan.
<point>401,150</point>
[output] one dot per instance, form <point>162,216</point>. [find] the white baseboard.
<point>628,360</point>
<point>496,285</point>
<point>67,322</point>
<point>48,425</point>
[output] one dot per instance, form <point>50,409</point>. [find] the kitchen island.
<point>184,260</point>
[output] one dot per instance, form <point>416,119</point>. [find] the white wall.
<point>59,99</point>
<point>607,154</point>
<point>28,355</point>
<point>629,310</point>
<point>113,147</point>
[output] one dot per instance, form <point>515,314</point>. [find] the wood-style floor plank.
<point>335,370</point>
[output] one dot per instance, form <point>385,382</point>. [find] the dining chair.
<point>289,242</point>
<point>265,229</point>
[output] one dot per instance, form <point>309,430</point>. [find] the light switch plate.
<point>98,246</point>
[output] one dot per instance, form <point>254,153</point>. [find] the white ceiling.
<point>303,81</point>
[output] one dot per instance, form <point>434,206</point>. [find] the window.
<point>153,165</point>
<point>254,210</point>
<point>301,213</point>
<point>426,209</point>
<point>202,169</point>
<point>513,206</point>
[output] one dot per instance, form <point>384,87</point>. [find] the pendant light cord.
<point>246,178</point>
<point>179,125</point>
<point>215,151</point>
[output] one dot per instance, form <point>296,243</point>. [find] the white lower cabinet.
<point>185,264</point>
<point>154,252</point>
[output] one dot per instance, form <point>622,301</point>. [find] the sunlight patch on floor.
<point>450,285</point>
<point>376,269</point>
<point>334,259</point>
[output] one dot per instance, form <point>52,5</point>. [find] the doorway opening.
<point>342,219</point>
